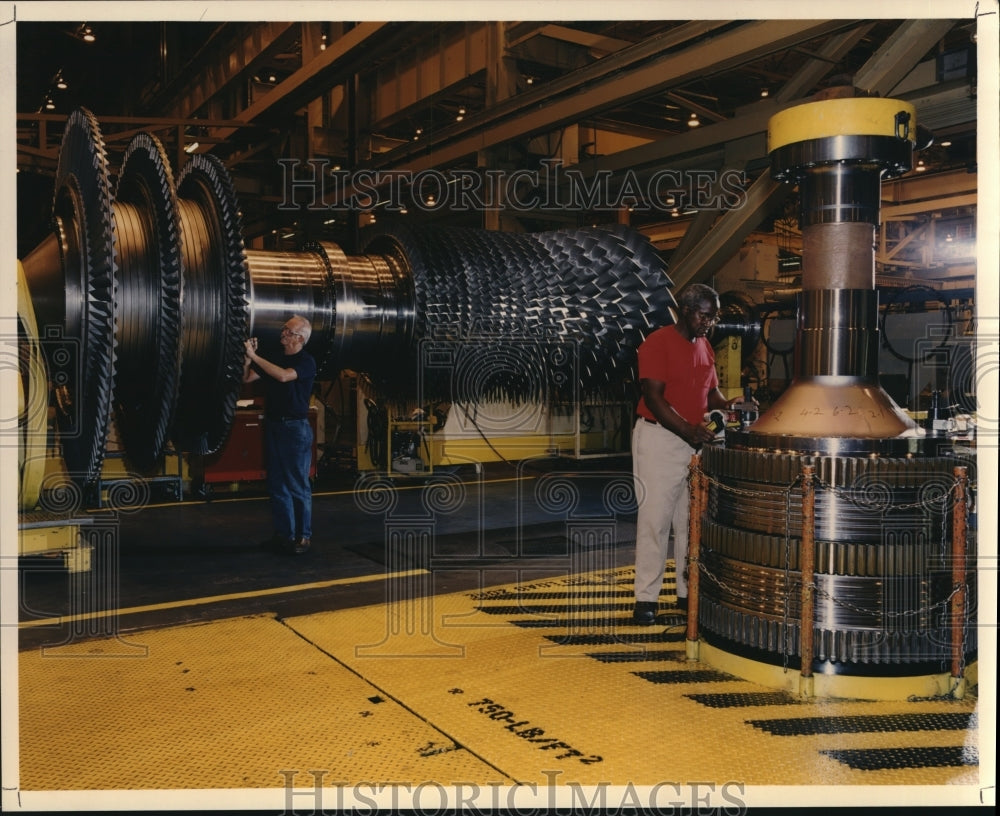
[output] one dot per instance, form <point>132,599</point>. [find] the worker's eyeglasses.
<point>707,317</point>
<point>286,330</point>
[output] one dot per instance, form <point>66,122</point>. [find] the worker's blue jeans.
<point>289,456</point>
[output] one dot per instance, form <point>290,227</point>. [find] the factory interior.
<point>481,222</point>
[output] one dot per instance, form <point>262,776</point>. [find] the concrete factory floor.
<point>462,639</point>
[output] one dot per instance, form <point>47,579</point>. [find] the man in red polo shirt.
<point>679,385</point>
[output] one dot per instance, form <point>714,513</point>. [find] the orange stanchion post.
<point>958,572</point>
<point>807,563</point>
<point>699,502</point>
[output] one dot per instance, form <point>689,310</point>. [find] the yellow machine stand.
<point>40,532</point>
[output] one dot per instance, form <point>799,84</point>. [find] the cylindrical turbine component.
<point>881,583</point>
<point>836,334</point>
<point>837,151</point>
<point>189,294</point>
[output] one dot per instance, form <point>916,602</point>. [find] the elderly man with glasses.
<point>288,436</point>
<point>679,384</point>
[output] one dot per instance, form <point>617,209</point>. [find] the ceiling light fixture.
<point>87,33</point>
<point>49,104</point>
<point>764,93</point>
<point>61,83</point>
<point>946,143</point>
<point>693,121</point>
<point>191,148</point>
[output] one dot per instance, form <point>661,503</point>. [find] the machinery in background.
<point>242,458</point>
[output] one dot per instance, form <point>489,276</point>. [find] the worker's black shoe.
<point>301,545</point>
<point>644,613</point>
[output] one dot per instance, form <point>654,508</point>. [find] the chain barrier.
<point>785,492</point>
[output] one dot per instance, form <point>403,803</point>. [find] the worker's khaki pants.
<point>660,466</point>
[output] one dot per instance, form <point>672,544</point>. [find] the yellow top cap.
<point>855,116</point>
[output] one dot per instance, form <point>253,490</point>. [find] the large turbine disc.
<point>82,359</point>
<point>216,305</point>
<point>148,267</point>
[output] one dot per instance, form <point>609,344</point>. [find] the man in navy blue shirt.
<point>288,437</point>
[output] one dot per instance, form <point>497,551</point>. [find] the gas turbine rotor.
<point>569,308</point>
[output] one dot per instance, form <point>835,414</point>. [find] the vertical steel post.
<point>697,510</point>
<point>807,563</point>
<point>958,572</point>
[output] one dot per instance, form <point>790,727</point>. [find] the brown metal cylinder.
<point>838,256</point>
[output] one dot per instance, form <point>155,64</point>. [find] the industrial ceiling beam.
<point>605,85</point>
<point>701,110</point>
<point>899,54</point>
<point>341,58</point>
<point>831,52</point>
<point>696,141</point>
<point>227,64</point>
<point>597,44</point>
<point>946,105</point>
<point>752,120</point>
<point>729,232</point>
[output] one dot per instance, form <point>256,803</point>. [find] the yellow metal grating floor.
<point>536,682</point>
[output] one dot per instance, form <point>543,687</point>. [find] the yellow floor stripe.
<point>233,596</point>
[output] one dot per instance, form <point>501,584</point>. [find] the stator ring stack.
<point>883,571</point>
